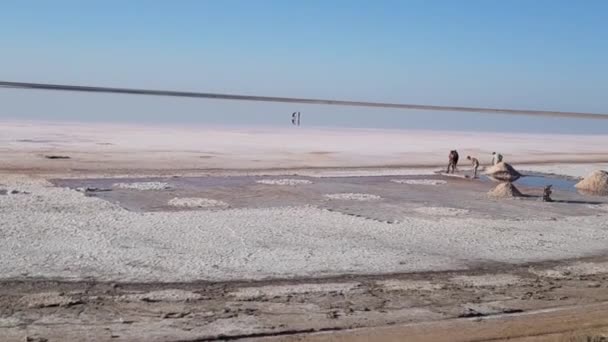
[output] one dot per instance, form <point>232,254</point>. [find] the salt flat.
<point>120,147</point>
<point>60,233</point>
<point>57,232</point>
<point>132,232</point>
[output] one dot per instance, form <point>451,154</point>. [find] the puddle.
<point>389,202</point>
<point>542,181</point>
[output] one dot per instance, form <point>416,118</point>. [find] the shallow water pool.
<point>540,181</point>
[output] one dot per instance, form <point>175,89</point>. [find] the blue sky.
<point>517,54</point>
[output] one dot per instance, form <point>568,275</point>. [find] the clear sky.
<point>541,54</point>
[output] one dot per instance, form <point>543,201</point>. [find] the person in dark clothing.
<point>547,193</point>
<point>452,161</point>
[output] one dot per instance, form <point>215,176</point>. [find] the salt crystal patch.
<point>286,181</point>
<point>441,211</point>
<point>576,269</point>
<point>353,197</point>
<point>283,290</point>
<point>143,186</point>
<point>196,202</point>
<point>170,295</point>
<point>556,274</point>
<point>48,299</point>
<point>598,206</point>
<point>419,181</point>
<point>487,280</point>
<point>409,285</point>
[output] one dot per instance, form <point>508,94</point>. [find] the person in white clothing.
<point>496,158</point>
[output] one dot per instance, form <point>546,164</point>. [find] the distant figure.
<point>452,161</point>
<point>475,164</point>
<point>496,158</point>
<point>295,118</point>
<point>547,194</point>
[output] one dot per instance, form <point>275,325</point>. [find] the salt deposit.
<point>505,190</point>
<point>196,202</point>
<point>59,233</point>
<point>503,172</point>
<point>353,197</point>
<point>366,172</point>
<point>486,280</point>
<point>574,269</point>
<point>283,290</point>
<point>596,182</point>
<point>47,299</point>
<point>603,207</point>
<point>170,295</point>
<point>441,211</point>
<point>409,285</point>
<point>419,181</point>
<point>285,181</point>
<point>143,186</point>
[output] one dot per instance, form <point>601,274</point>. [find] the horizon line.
<point>240,97</point>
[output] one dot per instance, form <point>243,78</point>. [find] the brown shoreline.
<point>534,308</point>
<point>73,167</point>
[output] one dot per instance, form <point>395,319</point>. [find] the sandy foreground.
<point>229,270</point>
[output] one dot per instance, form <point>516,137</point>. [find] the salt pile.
<point>143,186</point>
<point>505,190</point>
<point>353,197</point>
<point>419,181</point>
<point>503,172</point>
<point>285,181</point>
<point>196,202</point>
<point>596,182</point>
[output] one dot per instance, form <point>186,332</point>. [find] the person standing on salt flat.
<point>475,164</point>
<point>496,158</point>
<point>452,161</point>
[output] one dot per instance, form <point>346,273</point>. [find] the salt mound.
<point>143,186</point>
<point>504,190</point>
<point>419,181</point>
<point>195,202</point>
<point>503,172</point>
<point>353,197</point>
<point>285,181</point>
<point>596,182</point>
